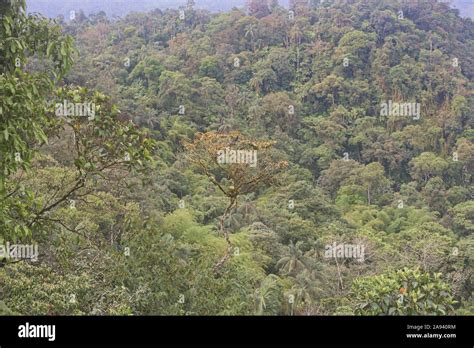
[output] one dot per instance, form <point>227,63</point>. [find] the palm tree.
<point>304,291</point>
<point>256,83</point>
<point>152,120</point>
<point>224,127</point>
<point>247,209</point>
<point>267,297</point>
<point>244,98</point>
<point>295,261</point>
<point>296,35</point>
<point>250,32</point>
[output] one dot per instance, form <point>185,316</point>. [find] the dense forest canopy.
<point>310,160</point>
<point>113,8</point>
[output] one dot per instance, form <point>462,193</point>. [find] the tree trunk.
<point>223,260</point>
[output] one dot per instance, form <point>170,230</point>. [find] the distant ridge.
<point>54,8</point>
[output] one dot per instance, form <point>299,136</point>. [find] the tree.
<point>101,145</point>
<point>356,47</point>
<point>258,8</point>
<point>295,261</point>
<point>426,246</point>
<point>23,111</point>
<point>250,32</point>
<point>402,292</point>
<point>174,90</point>
<point>337,174</point>
<point>268,296</point>
<point>465,154</point>
<point>229,160</point>
<point>426,166</point>
<point>210,67</point>
<point>463,217</point>
<point>372,179</point>
<point>147,70</point>
<point>276,109</point>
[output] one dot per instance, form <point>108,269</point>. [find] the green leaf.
<point>50,47</point>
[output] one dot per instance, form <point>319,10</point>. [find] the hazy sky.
<point>53,8</point>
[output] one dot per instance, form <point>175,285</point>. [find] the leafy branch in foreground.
<point>402,292</point>
<point>24,118</point>
<point>106,145</point>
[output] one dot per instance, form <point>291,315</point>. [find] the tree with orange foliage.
<point>229,160</point>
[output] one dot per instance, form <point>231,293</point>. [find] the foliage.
<point>143,208</point>
<point>402,292</point>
